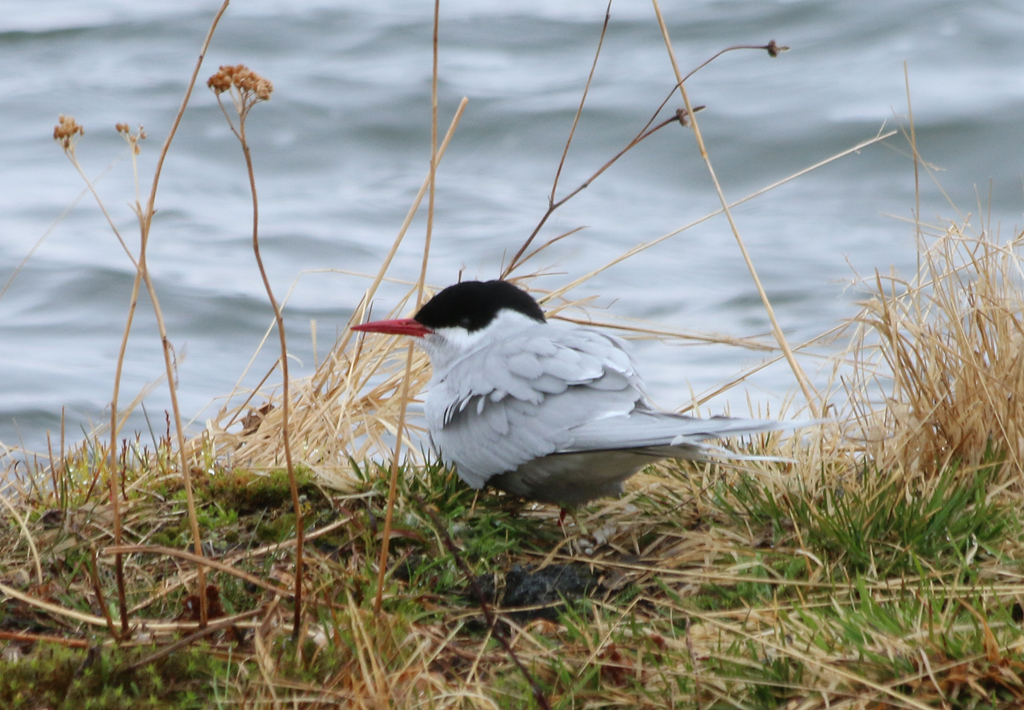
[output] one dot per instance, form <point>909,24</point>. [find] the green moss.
<point>57,677</point>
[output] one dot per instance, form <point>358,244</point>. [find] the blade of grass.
<point>395,461</point>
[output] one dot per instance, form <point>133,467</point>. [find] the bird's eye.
<point>465,323</point>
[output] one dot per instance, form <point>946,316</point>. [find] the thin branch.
<point>98,590</point>
<point>114,474</point>
<point>772,48</point>
<point>583,100</point>
<point>633,251</point>
<point>552,206</point>
<point>188,556</point>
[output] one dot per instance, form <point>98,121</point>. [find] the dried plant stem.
<point>113,474</point>
<point>633,251</point>
<point>518,259</point>
<point>583,100</point>
<point>412,212</point>
<point>184,555</point>
<point>798,372</point>
<point>285,390</point>
<point>145,223</point>
<point>114,430</point>
<point>645,132</point>
<point>46,638</point>
<point>122,601</point>
<point>246,89</point>
<point>27,534</point>
<point>103,208</point>
<point>395,461</point>
<point>193,637</point>
<point>98,591</point>
<point>39,242</point>
<point>917,178</point>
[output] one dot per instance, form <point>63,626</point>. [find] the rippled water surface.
<point>343,146</point>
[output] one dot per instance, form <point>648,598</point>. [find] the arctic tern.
<point>547,411</point>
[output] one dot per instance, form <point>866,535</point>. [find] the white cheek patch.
<point>460,339</point>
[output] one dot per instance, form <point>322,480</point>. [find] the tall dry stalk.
<point>396,457</point>
<point>773,50</point>
<point>67,132</point>
<point>649,129</point>
<point>145,216</point>
<point>246,89</point>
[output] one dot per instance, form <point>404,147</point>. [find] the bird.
<point>548,411</point>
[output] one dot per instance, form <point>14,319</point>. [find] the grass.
<point>740,592</point>
<point>878,565</point>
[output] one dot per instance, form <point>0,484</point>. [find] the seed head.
<point>66,130</point>
<point>250,85</point>
<point>221,81</point>
<point>133,138</point>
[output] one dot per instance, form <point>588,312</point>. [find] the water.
<point>343,145</point>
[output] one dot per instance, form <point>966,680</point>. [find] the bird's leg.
<point>563,512</point>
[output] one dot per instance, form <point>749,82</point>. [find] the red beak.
<point>403,326</point>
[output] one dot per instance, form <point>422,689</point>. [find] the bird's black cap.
<point>474,304</point>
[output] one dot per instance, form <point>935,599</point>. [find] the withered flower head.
<point>66,130</point>
<point>251,85</point>
<point>221,81</point>
<point>133,138</point>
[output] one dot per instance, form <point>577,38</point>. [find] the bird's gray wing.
<point>520,398</point>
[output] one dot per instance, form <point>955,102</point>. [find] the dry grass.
<point>347,410</point>
<point>938,359</point>
<point>880,569</point>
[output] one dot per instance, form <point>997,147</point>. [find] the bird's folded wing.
<point>539,362</point>
<point>518,399</point>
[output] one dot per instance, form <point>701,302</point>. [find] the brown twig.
<point>122,600</point>
<point>247,89</point>
<point>145,223</point>
<point>552,206</point>
<point>98,590</point>
<point>185,555</point>
<point>773,50</point>
<point>583,100</point>
<point>203,632</point>
<point>917,178</point>
<point>45,638</point>
<point>633,251</point>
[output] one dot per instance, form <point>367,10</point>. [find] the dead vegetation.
<point>880,568</point>
<point>945,349</point>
